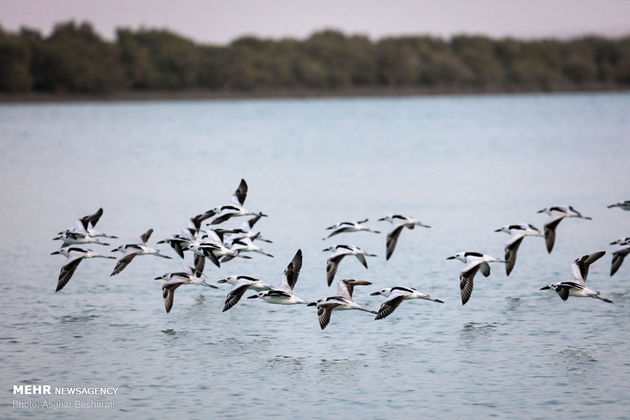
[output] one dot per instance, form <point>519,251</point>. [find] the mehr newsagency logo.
<point>84,396</point>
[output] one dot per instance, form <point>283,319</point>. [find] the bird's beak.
<point>54,253</point>
<point>425,226</point>
<point>545,288</point>
<point>375,293</point>
<point>222,281</point>
<point>451,258</point>
<point>311,304</point>
<point>159,278</point>
<point>252,297</point>
<point>498,230</point>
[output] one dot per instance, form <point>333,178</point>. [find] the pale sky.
<point>215,21</point>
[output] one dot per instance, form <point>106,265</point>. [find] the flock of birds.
<point>204,239</point>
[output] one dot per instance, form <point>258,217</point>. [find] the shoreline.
<point>298,93</point>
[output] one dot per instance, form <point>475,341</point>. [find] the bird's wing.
<point>124,261</point>
<point>222,217</point>
<point>66,272</point>
<point>168,293</point>
<point>177,247</point>
<point>361,259</point>
<point>200,263</point>
<point>324,311</point>
<point>484,268</point>
<point>144,238</point>
<point>331,267</point>
<point>511,249</point>
<point>239,196</point>
<point>579,268</point>
<point>390,304</point>
<point>563,291</point>
<point>91,220</point>
<point>617,259</point>
<point>550,232</point>
<point>236,293</point>
<point>251,222</point>
<point>466,280</point>
<point>292,272</point>
<point>392,239</point>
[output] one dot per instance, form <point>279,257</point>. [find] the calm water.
<point>465,165</point>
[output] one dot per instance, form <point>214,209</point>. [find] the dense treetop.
<point>74,58</point>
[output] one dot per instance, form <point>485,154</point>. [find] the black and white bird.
<point>576,285</point>
<point>241,284</point>
<point>235,209</point>
<point>247,231</point>
<point>400,222</point>
<point>474,261</point>
<point>568,211</point>
<point>75,255</point>
<point>83,231</point>
<point>70,237</point>
<point>347,227</point>
<point>395,296</point>
<point>173,280</point>
<point>558,213</point>
<point>283,295</point>
<point>518,232</point>
<point>624,205</point>
<point>247,245</point>
<point>622,241</point>
<point>341,301</point>
<point>340,251</point>
<point>132,250</point>
<point>617,259</point>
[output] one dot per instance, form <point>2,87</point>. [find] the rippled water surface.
<point>465,165</point>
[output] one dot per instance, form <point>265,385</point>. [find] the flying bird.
<point>624,205</point>
<point>342,301</point>
<point>395,296</point>
<point>474,261</point>
<point>400,222</point>
<point>283,295</point>
<point>622,241</point>
<point>132,250</point>
<point>173,280</point>
<point>241,285</point>
<point>568,211</point>
<point>576,285</point>
<point>346,227</point>
<point>518,232</point>
<point>558,213</point>
<point>235,209</point>
<point>75,256</point>
<point>340,251</point>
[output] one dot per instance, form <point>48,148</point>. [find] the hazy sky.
<point>217,21</point>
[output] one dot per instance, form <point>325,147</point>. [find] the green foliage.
<point>76,59</point>
<point>15,58</point>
